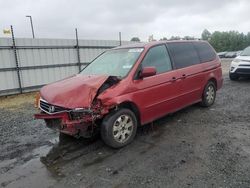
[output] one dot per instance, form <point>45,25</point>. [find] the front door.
<point>156,95</point>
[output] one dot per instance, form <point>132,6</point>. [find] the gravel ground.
<point>195,147</point>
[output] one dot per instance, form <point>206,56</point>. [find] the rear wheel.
<point>233,76</point>
<point>209,94</point>
<point>119,128</point>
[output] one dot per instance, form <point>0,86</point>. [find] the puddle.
<point>30,174</point>
<point>68,150</point>
<point>6,163</point>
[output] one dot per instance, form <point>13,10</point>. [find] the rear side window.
<point>158,57</point>
<point>205,51</point>
<point>183,54</point>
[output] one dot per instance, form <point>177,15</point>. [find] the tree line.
<point>220,40</point>
<point>227,41</point>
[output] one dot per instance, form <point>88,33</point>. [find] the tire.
<point>119,128</point>
<point>209,95</point>
<point>233,76</point>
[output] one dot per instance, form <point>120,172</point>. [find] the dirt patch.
<point>16,101</point>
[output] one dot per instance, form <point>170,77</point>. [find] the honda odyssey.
<point>130,86</point>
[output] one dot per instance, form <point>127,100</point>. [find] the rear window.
<point>205,51</point>
<point>183,54</point>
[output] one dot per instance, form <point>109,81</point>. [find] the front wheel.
<point>119,128</point>
<point>209,94</point>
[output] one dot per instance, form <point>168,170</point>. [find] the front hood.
<point>243,58</point>
<point>74,92</point>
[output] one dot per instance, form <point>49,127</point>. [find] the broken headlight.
<point>79,113</point>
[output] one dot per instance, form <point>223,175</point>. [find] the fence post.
<point>78,51</point>
<point>16,59</point>
<point>120,38</point>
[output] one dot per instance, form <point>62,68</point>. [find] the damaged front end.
<point>78,121</point>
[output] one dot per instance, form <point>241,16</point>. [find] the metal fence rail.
<point>28,64</point>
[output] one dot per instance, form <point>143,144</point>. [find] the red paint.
<point>75,92</point>
<point>153,96</point>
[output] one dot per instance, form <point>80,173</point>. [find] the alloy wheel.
<point>210,94</point>
<point>123,128</point>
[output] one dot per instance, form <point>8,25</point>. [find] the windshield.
<point>113,63</point>
<point>246,52</point>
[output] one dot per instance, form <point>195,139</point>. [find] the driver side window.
<point>158,57</point>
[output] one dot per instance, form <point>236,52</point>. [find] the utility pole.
<point>31,23</point>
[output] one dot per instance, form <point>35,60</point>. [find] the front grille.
<point>49,108</point>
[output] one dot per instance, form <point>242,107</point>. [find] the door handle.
<point>183,76</point>
<point>174,79</point>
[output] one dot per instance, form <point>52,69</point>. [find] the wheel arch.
<point>213,79</point>
<point>133,107</point>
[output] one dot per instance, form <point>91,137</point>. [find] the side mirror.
<point>147,72</point>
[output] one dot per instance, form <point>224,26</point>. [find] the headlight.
<point>81,110</point>
<point>79,113</point>
<point>37,99</point>
<point>236,60</point>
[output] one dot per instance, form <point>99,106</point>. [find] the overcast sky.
<point>103,19</point>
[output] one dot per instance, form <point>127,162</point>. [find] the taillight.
<point>37,99</point>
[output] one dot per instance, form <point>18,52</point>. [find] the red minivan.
<point>129,86</point>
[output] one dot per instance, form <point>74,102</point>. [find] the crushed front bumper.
<point>65,124</point>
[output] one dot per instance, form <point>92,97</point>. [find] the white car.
<point>240,66</point>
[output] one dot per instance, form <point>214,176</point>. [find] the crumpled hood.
<point>74,92</point>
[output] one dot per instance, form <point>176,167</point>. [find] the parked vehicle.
<point>238,53</point>
<point>240,66</point>
<point>230,55</point>
<point>130,86</point>
<point>221,54</point>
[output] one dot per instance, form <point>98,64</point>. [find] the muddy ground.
<point>195,147</point>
